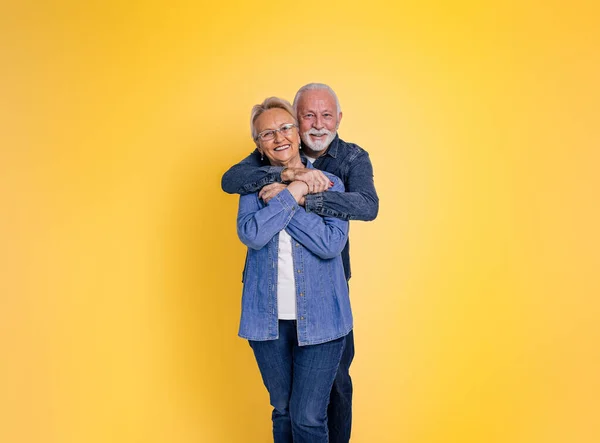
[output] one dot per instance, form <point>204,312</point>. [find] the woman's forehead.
<point>273,118</point>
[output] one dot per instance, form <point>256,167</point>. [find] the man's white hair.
<point>313,86</point>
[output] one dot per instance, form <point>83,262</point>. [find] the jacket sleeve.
<point>249,175</point>
<point>359,202</point>
<point>258,223</point>
<point>323,236</point>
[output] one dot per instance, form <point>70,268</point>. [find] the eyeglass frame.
<point>274,131</point>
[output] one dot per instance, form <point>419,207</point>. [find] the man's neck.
<point>310,159</point>
<point>314,154</point>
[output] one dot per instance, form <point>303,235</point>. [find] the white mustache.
<point>319,133</point>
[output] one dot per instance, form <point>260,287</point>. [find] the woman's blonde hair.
<point>269,103</point>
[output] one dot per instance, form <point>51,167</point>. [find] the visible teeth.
<point>281,148</point>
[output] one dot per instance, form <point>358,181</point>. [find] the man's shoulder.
<point>350,151</point>
<point>350,148</point>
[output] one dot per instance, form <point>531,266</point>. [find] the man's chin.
<point>313,148</point>
<point>316,147</point>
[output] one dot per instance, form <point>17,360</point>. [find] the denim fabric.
<point>347,161</point>
<point>360,202</point>
<point>299,379</point>
<point>339,412</point>
<point>322,302</point>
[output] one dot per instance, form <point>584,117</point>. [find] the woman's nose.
<point>278,135</point>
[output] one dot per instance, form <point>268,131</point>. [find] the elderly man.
<point>319,115</point>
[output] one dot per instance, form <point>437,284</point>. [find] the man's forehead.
<point>317,98</point>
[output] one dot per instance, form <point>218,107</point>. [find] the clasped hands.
<point>302,181</point>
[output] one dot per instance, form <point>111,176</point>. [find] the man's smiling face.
<point>318,119</point>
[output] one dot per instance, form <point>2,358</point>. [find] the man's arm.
<point>249,175</point>
<point>359,202</point>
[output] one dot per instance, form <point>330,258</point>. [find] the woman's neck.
<point>293,163</point>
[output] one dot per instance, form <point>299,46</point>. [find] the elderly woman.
<point>295,306</point>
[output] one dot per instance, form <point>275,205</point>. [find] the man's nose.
<point>318,123</point>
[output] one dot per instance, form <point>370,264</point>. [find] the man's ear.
<point>339,119</point>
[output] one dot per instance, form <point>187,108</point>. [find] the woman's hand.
<point>269,191</point>
<point>298,189</point>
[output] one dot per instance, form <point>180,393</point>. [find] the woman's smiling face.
<point>284,146</point>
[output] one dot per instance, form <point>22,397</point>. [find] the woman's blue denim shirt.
<point>322,302</point>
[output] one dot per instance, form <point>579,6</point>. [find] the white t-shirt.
<point>310,159</point>
<point>286,283</point>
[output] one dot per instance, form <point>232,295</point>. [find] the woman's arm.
<point>323,236</point>
<point>257,223</point>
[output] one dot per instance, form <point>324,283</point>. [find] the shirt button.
<point>301,318</point>
<point>302,294</point>
<point>297,244</point>
<point>299,271</point>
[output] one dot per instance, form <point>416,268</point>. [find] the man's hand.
<point>315,179</point>
<point>270,191</point>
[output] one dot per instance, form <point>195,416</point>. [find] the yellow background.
<point>475,291</point>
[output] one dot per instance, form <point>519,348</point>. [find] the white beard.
<point>318,145</point>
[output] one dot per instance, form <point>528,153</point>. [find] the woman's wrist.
<point>298,189</point>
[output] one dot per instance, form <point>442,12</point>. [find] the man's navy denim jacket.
<point>347,161</point>
<point>322,302</point>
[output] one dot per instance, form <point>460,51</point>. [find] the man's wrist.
<point>313,202</point>
<point>287,175</point>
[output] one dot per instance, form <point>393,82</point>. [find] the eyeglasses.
<point>269,134</point>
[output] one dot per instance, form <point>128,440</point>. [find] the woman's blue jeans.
<point>299,381</point>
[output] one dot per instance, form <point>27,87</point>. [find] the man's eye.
<point>308,115</point>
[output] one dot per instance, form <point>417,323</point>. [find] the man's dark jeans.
<point>339,412</point>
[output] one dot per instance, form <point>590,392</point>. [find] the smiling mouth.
<point>281,148</point>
